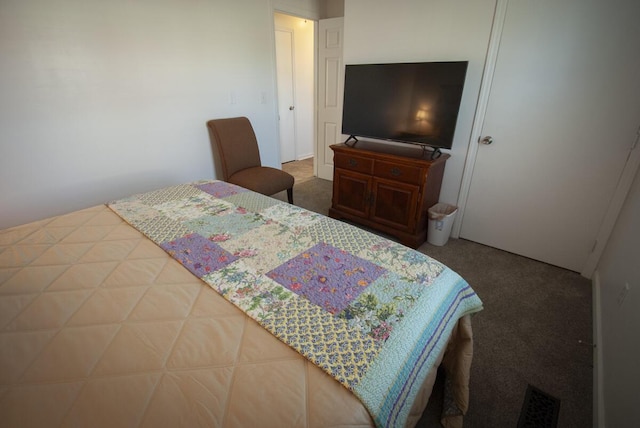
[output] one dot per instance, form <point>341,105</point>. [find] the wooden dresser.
<point>386,187</point>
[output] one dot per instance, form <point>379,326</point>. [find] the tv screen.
<point>414,103</point>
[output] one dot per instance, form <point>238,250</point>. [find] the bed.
<point>205,304</point>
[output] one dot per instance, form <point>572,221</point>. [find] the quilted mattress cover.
<point>101,327</point>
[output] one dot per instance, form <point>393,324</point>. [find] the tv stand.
<point>387,187</point>
<point>435,153</point>
<point>351,137</point>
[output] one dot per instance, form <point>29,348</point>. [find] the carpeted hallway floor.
<point>528,333</point>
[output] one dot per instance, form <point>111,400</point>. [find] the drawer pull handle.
<point>395,171</point>
<point>353,162</point>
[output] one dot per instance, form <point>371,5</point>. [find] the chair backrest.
<point>236,144</point>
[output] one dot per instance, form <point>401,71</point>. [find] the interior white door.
<point>563,111</point>
<point>330,89</point>
<point>286,96</point>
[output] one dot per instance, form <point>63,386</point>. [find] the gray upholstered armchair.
<point>235,142</point>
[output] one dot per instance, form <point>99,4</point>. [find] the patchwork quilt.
<point>372,313</point>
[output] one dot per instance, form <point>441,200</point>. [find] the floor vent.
<point>539,410</point>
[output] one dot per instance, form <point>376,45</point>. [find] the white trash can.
<point>441,217</point>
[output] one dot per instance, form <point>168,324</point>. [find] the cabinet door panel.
<point>395,204</point>
<point>351,192</point>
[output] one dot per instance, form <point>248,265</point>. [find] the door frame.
<point>293,91</point>
<point>305,100</point>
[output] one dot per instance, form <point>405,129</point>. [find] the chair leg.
<point>290,195</point>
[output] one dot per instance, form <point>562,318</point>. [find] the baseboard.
<point>598,391</point>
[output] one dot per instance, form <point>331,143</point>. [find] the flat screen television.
<point>414,103</point>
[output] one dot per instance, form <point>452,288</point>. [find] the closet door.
<point>563,112</point>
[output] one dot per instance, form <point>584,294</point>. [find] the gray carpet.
<point>528,333</point>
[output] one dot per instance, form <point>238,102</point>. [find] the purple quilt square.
<point>220,189</point>
<point>198,254</point>
<point>327,276</point>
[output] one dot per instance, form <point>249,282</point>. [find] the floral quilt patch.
<point>198,254</point>
<point>220,189</point>
<point>327,276</point>
<point>266,247</point>
<point>257,295</point>
<point>324,339</point>
<point>379,308</point>
<point>294,217</point>
<point>230,223</point>
<point>192,208</point>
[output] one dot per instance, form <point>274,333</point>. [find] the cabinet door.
<point>351,192</point>
<point>395,204</point>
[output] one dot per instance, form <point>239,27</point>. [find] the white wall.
<point>425,30</point>
<point>331,9</point>
<point>620,265</point>
<point>100,99</point>
<point>303,31</point>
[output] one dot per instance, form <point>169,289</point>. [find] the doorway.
<point>295,65</point>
